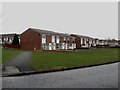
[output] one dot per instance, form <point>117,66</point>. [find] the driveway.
<point>21,62</point>
<point>105,76</point>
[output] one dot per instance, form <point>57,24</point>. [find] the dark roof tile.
<point>48,32</point>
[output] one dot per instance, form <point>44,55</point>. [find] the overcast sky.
<point>84,18</point>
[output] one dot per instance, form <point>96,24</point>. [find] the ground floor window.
<point>43,46</point>
<point>59,46</point>
<point>70,46</point>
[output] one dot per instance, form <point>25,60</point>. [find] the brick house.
<point>84,41</point>
<point>7,38</point>
<point>37,39</point>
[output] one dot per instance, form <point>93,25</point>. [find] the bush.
<point>15,40</point>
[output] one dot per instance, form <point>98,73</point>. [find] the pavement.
<point>19,63</point>
<point>104,76</point>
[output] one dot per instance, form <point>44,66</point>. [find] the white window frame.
<point>53,38</point>
<point>57,39</point>
<point>43,38</point>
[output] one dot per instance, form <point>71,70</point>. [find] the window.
<point>43,46</point>
<point>70,44</point>
<point>57,39</point>
<point>43,38</point>
<point>87,41</point>
<point>83,41</point>
<point>73,38</point>
<point>83,44</point>
<point>64,38</point>
<point>68,38</point>
<point>53,39</point>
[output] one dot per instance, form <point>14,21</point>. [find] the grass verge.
<point>42,61</point>
<point>8,54</point>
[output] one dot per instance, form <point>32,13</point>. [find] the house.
<point>102,42</point>
<point>119,42</point>
<point>107,43</point>
<point>83,41</point>
<point>96,41</point>
<point>38,39</point>
<point>7,38</point>
<point>112,43</point>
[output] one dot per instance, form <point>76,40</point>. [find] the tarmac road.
<point>105,76</point>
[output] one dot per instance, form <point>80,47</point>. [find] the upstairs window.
<point>64,38</point>
<point>68,38</point>
<point>53,39</point>
<point>57,39</point>
<point>43,38</point>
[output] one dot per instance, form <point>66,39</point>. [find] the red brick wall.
<point>71,40</point>
<point>78,42</point>
<point>30,40</point>
<point>61,39</point>
<point>48,39</point>
<point>12,46</point>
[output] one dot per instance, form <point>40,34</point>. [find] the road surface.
<point>105,76</point>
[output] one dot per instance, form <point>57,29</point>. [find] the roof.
<point>10,35</point>
<point>81,36</point>
<point>102,40</point>
<point>113,40</point>
<point>48,32</point>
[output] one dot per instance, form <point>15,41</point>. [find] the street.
<point>105,76</point>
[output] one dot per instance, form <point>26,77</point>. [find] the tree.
<point>15,40</point>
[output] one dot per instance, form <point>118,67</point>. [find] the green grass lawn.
<point>55,60</point>
<point>8,54</point>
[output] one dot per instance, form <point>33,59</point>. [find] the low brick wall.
<point>58,50</point>
<point>11,46</point>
